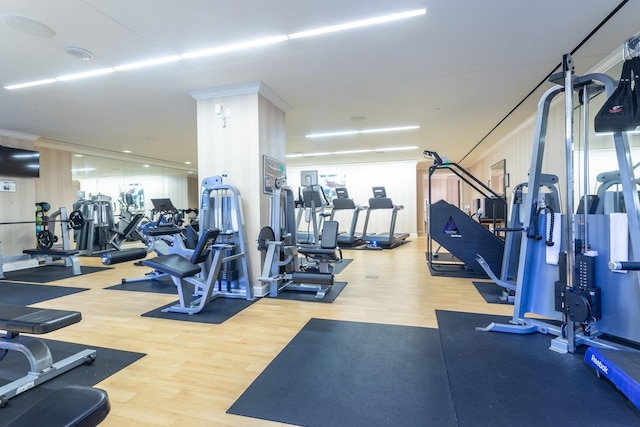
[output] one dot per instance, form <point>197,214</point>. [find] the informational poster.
<point>8,185</point>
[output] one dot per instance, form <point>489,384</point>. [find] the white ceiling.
<point>456,71</point>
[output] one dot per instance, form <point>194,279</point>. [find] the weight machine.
<point>221,208</point>
<point>95,235</point>
<point>591,301</point>
<point>282,269</point>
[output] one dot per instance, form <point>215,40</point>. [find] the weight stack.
<point>228,271</point>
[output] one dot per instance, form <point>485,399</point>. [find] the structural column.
<point>238,126</point>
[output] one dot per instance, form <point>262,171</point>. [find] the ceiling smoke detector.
<point>79,53</point>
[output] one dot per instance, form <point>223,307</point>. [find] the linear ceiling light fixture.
<point>355,132</point>
<point>358,24</point>
<point>373,150</point>
<point>230,48</point>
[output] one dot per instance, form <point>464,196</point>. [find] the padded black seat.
<point>184,273</point>
<point>173,265</point>
<point>31,320</point>
<point>162,230</point>
<point>67,406</point>
<point>50,252</point>
<point>178,266</point>
<point>328,249</point>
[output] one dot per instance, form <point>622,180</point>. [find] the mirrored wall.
<point>132,185</point>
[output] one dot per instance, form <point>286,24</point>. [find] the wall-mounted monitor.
<point>16,162</point>
<point>308,178</point>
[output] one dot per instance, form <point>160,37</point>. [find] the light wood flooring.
<point>193,372</point>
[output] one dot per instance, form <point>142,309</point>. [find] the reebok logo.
<point>604,368</point>
<point>616,109</point>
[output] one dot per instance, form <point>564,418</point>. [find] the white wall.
<point>398,178</point>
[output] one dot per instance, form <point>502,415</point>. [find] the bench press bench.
<point>16,320</point>
<point>70,257</point>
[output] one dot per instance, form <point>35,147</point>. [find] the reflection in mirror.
<point>117,178</point>
<point>497,177</point>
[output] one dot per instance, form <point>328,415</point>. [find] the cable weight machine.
<point>591,301</point>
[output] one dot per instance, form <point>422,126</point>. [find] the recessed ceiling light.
<point>79,53</point>
<point>126,151</point>
<point>28,26</point>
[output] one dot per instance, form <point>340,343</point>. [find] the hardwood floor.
<point>193,372</point>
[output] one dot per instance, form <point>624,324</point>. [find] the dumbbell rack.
<point>42,219</point>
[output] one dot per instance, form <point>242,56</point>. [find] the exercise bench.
<point>51,256</point>
<point>15,320</point>
<point>69,406</point>
<point>189,272</point>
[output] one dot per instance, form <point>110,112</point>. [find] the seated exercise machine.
<point>16,320</point>
<point>282,269</point>
<point>197,281</point>
<point>161,238</point>
<point>318,279</point>
<point>342,203</point>
<point>389,239</point>
<point>199,277</point>
<point>194,290</point>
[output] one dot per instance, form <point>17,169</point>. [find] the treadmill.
<point>389,240</point>
<point>342,202</point>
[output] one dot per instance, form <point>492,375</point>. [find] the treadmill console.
<point>342,193</point>
<point>379,192</point>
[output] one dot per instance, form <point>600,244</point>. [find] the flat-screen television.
<point>16,162</point>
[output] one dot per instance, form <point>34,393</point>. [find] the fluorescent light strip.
<point>30,84</point>
<point>232,47</point>
<point>149,63</point>
<point>374,150</point>
<point>85,75</point>
<point>355,132</point>
<point>228,48</point>
<point>358,24</point>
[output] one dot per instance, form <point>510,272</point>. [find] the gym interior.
<point>481,283</point>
